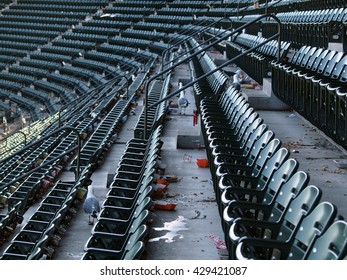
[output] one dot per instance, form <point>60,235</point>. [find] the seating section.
<point>257,63</point>
<point>156,114</point>
<point>122,222</point>
<point>312,82</point>
<point>45,228</point>
<point>267,206</point>
<point>76,67</point>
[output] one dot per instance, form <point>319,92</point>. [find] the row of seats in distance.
<point>158,90</point>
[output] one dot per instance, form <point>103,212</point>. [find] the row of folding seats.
<point>311,27</point>
<point>57,8</point>
<point>201,87</point>
<point>30,32</point>
<point>253,29</point>
<point>222,11</point>
<point>41,64</point>
<point>40,40</point>
<point>10,86</point>
<point>170,18</point>
<point>193,4</point>
<point>39,55</point>
<point>159,27</point>
<point>257,63</point>
<point>127,51</point>
<point>99,140</point>
<point>144,34</point>
<point>313,82</point>
<point>95,38</point>
<point>15,77</point>
<point>121,229</point>
<point>115,9</point>
<point>12,11</point>
<point>18,45</point>
<point>268,208</point>
<point>56,152</point>
<point>84,74</point>
<point>201,64</point>
<point>45,228</point>
<point>101,67</point>
<point>81,46</point>
<point>24,102</point>
<point>46,20</point>
<point>34,26</point>
<point>104,31</point>
<point>155,115</point>
<point>216,80</point>
<point>40,97</point>
<point>323,4</point>
<point>113,59</point>
<point>128,41</point>
<point>75,84</point>
<point>9,222</point>
<point>66,96</point>
<point>67,2</point>
<point>17,140</point>
<point>13,52</point>
<point>140,3</point>
<point>6,60</point>
<point>182,11</point>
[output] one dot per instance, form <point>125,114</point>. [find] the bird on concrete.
<point>182,101</point>
<point>91,205</point>
<point>237,79</point>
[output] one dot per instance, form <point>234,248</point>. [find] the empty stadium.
<point>91,94</point>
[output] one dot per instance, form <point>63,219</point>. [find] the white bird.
<point>182,102</point>
<point>91,205</point>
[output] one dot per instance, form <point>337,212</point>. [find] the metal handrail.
<point>277,35</point>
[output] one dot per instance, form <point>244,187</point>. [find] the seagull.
<point>182,102</point>
<point>91,205</point>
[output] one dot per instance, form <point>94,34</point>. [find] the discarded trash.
<point>187,158</point>
<point>341,163</point>
<point>197,216</point>
<point>172,229</point>
<point>159,189</point>
<point>171,178</point>
<point>202,162</point>
<point>220,246</point>
<point>159,205</point>
<point>163,181</point>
